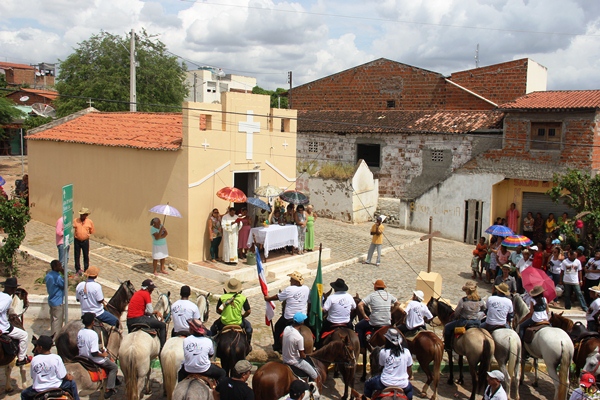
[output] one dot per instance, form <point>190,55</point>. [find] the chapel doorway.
<point>247,183</point>
<point>473,220</point>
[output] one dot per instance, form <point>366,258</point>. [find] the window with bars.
<point>545,136</point>
<point>437,155</point>
<point>313,147</point>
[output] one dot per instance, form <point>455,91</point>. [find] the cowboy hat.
<point>470,285</point>
<point>379,284</point>
<point>419,295</point>
<point>297,276</point>
<point>536,291</point>
<point>393,336</point>
<point>11,283</point>
<point>339,285</point>
<point>503,288</point>
<point>92,271</point>
<point>84,211</point>
<point>595,289</point>
<point>233,286</point>
<point>507,266</point>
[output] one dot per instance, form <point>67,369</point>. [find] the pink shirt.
<point>60,232</point>
<point>512,217</point>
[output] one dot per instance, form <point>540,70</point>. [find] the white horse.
<point>192,389</point>
<point>507,350</point>
<point>19,305</point>
<point>136,353</point>
<point>592,362</point>
<point>554,346</point>
<point>171,356</point>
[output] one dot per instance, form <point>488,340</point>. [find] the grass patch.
<point>340,171</point>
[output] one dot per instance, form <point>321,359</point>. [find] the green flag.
<point>315,315</point>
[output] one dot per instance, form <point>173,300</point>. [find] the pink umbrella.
<point>536,277</point>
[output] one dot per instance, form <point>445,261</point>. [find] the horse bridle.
<point>167,315</point>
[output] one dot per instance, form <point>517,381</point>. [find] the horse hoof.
<point>460,382</point>
<point>450,381</point>
<point>362,378</point>
<point>423,395</point>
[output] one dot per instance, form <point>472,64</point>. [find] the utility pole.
<point>195,80</point>
<point>132,89</point>
<point>289,94</point>
<point>477,56</point>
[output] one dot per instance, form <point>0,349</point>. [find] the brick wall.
<point>33,98</point>
<point>20,77</point>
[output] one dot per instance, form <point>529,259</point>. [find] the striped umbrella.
<point>499,230</point>
<point>516,241</point>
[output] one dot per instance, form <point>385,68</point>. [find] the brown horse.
<point>347,369</point>
<point>19,306</point>
<point>273,379</point>
<point>583,347</point>
<point>232,346</point>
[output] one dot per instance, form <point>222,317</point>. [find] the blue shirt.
<point>55,284</point>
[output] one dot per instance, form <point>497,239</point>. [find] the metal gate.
<point>542,203</point>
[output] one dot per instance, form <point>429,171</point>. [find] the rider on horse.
<point>183,310</point>
<point>87,343</point>
<point>230,306</point>
<point>466,313</point>
<point>500,309</point>
<point>141,312</point>
<point>592,313</point>
<point>48,371</point>
<point>293,347</point>
<point>380,303</point>
<point>338,306</point>
<point>538,310</point>
<point>417,314</point>
<point>89,294</point>
<point>296,300</point>
<point>396,360</point>
<point>197,350</point>
<point>10,287</point>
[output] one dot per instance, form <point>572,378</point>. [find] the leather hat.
<point>339,285</point>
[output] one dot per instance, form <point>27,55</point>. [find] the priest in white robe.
<point>231,227</point>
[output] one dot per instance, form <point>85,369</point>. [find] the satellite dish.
<point>43,110</point>
<point>24,99</point>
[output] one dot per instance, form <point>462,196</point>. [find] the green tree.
<point>33,121</point>
<point>99,70</point>
<point>14,215</point>
<point>277,95</point>
<point>8,113</point>
<point>580,191</point>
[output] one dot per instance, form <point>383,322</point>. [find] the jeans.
<point>21,336</point>
<point>306,367</point>
<point>111,369</point>
<point>153,323</point>
<point>108,318</point>
<point>214,247</point>
<point>361,329</point>
<point>280,325</point>
<point>523,326</point>
<point>67,386</point>
<point>567,295</point>
<point>556,280</point>
<point>372,249</point>
<point>212,372</point>
<point>82,246</point>
<point>374,384</point>
<point>57,316</point>
<point>63,254</point>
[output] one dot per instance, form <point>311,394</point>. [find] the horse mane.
<point>121,298</point>
<point>521,308</point>
<point>564,323</point>
<point>334,345</point>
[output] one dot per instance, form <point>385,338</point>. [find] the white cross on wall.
<point>285,144</point>
<point>250,127</point>
<point>205,144</point>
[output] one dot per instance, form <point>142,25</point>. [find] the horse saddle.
<point>413,333</point>
<point>210,382</point>
<point>235,328</point>
<point>97,373</point>
<point>334,327</point>
<point>143,327</point>
<point>392,392</point>
<point>53,394</point>
<point>533,329</point>
<point>300,374</point>
<point>10,346</point>
<point>180,334</point>
<point>583,337</point>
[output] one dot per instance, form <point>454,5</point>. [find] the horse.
<point>347,369</point>
<point>551,344</point>
<point>232,346</point>
<point>273,379</point>
<point>66,339</point>
<point>592,362</point>
<point>171,356</point>
<point>137,351</point>
<point>19,305</point>
<point>508,351</point>
<point>476,344</point>
<point>192,389</point>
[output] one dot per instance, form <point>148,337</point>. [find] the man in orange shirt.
<point>84,228</point>
<point>376,242</point>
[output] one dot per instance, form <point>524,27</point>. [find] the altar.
<point>274,237</point>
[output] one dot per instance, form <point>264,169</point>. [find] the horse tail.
<point>437,362</point>
<point>514,356</point>
<point>168,362</point>
<point>563,372</point>
<point>130,371</point>
<point>485,360</point>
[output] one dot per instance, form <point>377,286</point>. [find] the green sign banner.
<point>67,205</point>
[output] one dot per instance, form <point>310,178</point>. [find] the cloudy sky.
<point>315,38</point>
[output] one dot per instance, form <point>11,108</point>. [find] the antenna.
<point>24,99</point>
<point>43,110</point>
<point>477,56</point>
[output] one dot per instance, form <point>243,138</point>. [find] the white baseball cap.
<point>496,374</point>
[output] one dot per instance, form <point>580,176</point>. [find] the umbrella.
<point>536,277</point>
<point>499,230</point>
<point>268,191</point>
<point>294,197</point>
<point>256,202</point>
<point>516,241</point>
<point>2,181</point>
<point>232,194</point>
<point>166,209</point>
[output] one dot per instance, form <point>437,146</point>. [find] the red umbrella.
<point>232,194</point>
<point>536,277</point>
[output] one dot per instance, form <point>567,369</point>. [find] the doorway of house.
<point>246,182</point>
<point>473,216</point>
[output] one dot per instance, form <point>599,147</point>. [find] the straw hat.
<point>233,286</point>
<point>595,289</point>
<point>469,285</point>
<point>503,288</point>
<point>84,211</point>
<point>92,271</point>
<point>536,291</point>
<point>297,276</point>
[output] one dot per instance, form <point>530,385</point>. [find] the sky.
<point>315,38</point>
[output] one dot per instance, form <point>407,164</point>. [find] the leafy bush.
<point>337,171</point>
<point>309,167</point>
<point>14,215</point>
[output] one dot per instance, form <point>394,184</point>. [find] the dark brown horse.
<point>232,346</point>
<point>347,369</point>
<point>584,346</point>
<point>19,306</point>
<point>273,379</point>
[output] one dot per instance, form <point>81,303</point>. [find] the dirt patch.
<point>11,170</point>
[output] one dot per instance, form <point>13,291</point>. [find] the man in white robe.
<point>231,227</point>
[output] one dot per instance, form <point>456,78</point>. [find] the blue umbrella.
<point>2,181</point>
<point>166,209</point>
<point>256,202</point>
<point>499,230</point>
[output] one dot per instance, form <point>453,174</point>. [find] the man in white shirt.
<point>524,262</point>
<point>570,277</point>
<point>87,343</point>
<point>10,287</point>
<point>293,346</point>
<point>592,313</point>
<point>338,306</point>
<point>499,309</point>
<point>494,390</point>
<point>296,301</point>
<point>89,294</point>
<point>197,350</point>
<point>592,275</point>
<point>417,313</point>
<point>48,371</point>
<point>380,303</point>
<point>182,311</point>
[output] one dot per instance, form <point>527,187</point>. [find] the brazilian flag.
<point>315,315</point>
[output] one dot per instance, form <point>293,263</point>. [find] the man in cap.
<point>141,311</point>
<point>506,278</point>
<point>296,300</point>
<point>299,390</point>
<point>376,241</point>
<point>234,309</point>
<point>236,388</point>
<point>197,350</point>
<point>380,302</point>
<point>48,371</point>
<point>293,346</point>
<point>494,390</point>
<point>55,285</point>
<point>87,343</point>
<point>183,310</point>
<point>89,294</point>
<point>338,306</point>
<point>417,313</point>
<point>587,389</point>
<point>10,287</point>
<point>83,228</point>
<point>592,313</point>
<point>500,310</point>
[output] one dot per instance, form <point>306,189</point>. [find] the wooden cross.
<point>430,237</point>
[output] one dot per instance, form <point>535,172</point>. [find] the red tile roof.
<point>556,100</point>
<point>150,131</point>
<point>44,93</point>
<point>7,65</point>
<point>398,121</point>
